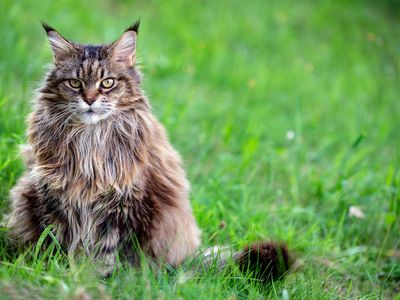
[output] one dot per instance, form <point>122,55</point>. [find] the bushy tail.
<point>264,261</point>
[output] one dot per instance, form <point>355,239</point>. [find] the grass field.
<point>287,114</point>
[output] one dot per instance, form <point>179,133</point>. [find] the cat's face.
<point>88,84</point>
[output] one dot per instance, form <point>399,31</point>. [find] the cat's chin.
<point>91,118</point>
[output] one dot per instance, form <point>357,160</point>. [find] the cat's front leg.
<point>106,248</point>
<point>106,264</point>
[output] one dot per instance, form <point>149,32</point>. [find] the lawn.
<point>287,115</point>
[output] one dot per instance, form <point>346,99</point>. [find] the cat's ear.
<point>62,48</point>
<point>124,49</point>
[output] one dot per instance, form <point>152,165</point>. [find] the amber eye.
<point>107,83</point>
<point>75,83</point>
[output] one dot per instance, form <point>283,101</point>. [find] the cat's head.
<point>87,84</point>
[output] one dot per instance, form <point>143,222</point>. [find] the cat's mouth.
<point>91,112</point>
<point>89,116</point>
<point>92,116</point>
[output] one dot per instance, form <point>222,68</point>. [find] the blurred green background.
<point>286,114</point>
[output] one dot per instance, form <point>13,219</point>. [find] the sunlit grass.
<point>286,114</point>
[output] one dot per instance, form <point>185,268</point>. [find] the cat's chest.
<point>99,163</point>
<point>92,161</point>
<point>94,155</point>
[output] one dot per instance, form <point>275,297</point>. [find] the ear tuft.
<point>47,27</point>
<point>62,49</point>
<point>124,49</point>
<point>134,27</point>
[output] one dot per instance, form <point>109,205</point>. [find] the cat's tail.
<point>264,261</point>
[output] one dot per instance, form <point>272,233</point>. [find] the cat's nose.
<point>90,96</point>
<point>89,100</point>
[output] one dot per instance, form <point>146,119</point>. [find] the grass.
<point>286,114</point>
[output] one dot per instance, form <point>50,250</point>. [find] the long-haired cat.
<point>100,168</point>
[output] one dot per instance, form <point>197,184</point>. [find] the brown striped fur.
<point>105,182</point>
<point>100,168</point>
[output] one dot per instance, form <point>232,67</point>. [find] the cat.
<point>100,168</point>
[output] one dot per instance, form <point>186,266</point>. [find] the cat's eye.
<point>75,83</point>
<point>107,83</point>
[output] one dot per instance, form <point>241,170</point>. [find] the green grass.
<point>231,80</point>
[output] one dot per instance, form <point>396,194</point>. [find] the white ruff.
<point>91,118</point>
